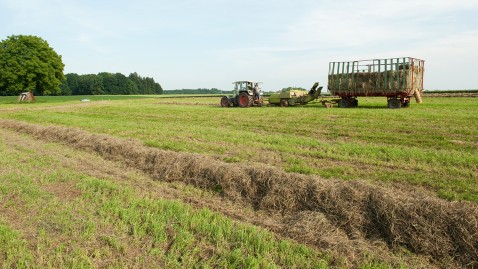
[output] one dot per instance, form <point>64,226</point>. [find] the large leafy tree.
<point>28,63</point>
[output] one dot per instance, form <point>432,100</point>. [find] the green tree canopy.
<point>118,84</point>
<point>109,83</point>
<point>146,85</point>
<point>293,89</point>
<point>28,63</point>
<point>90,84</point>
<point>197,91</point>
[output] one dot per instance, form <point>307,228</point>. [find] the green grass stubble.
<point>432,144</point>
<point>108,224</point>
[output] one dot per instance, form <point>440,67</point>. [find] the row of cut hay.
<point>445,231</point>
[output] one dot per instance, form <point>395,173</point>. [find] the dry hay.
<point>347,210</point>
<point>26,97</point>
<point>389,82</point>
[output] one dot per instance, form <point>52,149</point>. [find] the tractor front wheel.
<point>243,99</point>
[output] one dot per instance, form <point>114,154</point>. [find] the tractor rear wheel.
<point>225,101</point>
<point>243,99</point>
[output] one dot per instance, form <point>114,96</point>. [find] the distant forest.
<point>197,91</point>
<point>109,83</point>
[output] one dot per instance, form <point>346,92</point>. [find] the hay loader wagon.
<point>398,79</point>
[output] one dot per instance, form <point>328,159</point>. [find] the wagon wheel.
<point>405,103</point>
<point>284,103</point>
<point>394,103</point>
<point>243,99</point>
<point>343,103</point>
<point>225,101</point>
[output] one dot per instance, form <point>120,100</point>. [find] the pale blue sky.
<point>211,43</point>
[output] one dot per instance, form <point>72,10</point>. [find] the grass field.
<point>432,145</point>
<point>64,207</point>
<point>70,218</point>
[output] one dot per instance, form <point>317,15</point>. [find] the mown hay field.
<point>432,145</point>
<point>182,182</point>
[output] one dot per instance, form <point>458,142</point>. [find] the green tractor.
<point>295,97</point>
<point>245,94</point>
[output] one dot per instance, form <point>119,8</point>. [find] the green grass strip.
<point>14,252</point>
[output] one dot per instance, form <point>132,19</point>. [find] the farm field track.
<point>367,187</point>
<point>471,93</point>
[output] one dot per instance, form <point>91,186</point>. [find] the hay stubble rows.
<point>344,210</point>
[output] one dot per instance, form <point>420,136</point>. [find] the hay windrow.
<point>348,210</point>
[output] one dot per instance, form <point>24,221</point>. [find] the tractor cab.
<point>245,94</point>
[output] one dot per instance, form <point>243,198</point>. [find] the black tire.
<point>284,103</point>
<point>354,102</point>
<point>251,100</point>
<point>343,103</point>
<point>243,99</point>
<point>406,103</point>
<point>225,102</point>
<point>394,103</point>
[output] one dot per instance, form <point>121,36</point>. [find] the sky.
<point>185,44</point>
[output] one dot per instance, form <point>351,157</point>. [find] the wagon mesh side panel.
<point>378,77</point>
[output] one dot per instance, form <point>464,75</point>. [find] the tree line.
<point>196,91</point>
<point>109,83</point>
<point>293,89</point>
<point>28,63</point>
